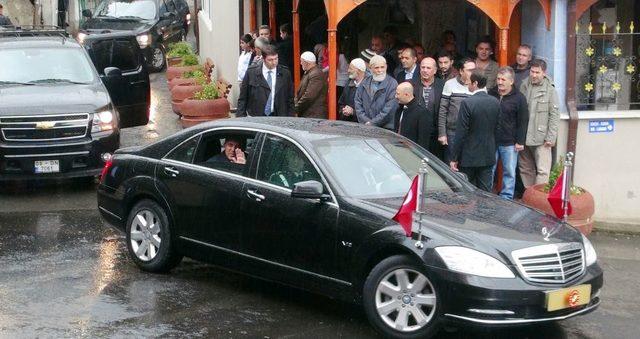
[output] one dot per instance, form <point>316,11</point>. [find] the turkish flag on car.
<point>556,196</point>
<point>405,213</point>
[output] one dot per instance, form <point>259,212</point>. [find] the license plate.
<point>47,166</point>
<point>568,297</point>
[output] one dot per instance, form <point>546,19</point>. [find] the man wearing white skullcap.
<point>346,102</point>
<point>311,98</point>
<point>375,99</point>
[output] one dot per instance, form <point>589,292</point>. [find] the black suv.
<point>156,23</point>
<point>59,116</point>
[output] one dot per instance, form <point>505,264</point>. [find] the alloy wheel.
<point>405,300</point>
<point>145,235</point>
<point>158,58</point>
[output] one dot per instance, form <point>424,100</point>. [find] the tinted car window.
<point>283,163</point>
<point>114,53</point>
<point>143,9</point>
<point>167,6</point>
<point>186,151</point>
<point>211,151</point>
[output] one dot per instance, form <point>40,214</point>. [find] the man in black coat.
<point>256,95</point>
<point>347,101</point>
<point>474,149</point>
<point>428,92</point>
<point>410,69</point>
<point>285,47</point>
<point>412,120</point>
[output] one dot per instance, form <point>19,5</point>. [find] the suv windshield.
<point>45,66</point>
<point>380,168</point>
<point>136,9</point>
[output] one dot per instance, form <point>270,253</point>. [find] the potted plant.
<point>207,104</point>
<point>177,51</point>
<point>582,202</point>
<point>189,78</point>
<point>189,63</point>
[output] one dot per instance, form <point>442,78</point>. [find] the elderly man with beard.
<point>311,98</point>
<point>375,98</point>
<point>346,102</point>
<point>428,92</point>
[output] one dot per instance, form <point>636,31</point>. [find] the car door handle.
<point>255,195</point>
<point>170,171</point>
<point>139,82</point>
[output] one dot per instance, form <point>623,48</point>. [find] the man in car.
<point>232,153</point>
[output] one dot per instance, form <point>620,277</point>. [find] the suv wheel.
<point>149,239</point>
<point>158,59</point>
<point>400,300</point>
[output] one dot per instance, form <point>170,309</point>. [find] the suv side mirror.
<point>87,13</point>
<point>112,72</point>
<point>310,189</point>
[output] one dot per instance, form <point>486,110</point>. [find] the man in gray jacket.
<point>376,97</point>
<point>542,130</point>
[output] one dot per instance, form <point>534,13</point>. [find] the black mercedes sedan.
<point>309,203</point>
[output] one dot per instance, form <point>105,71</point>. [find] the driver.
<point>295,172</point>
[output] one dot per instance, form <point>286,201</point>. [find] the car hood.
<point>483,221</point>
<point>52,99</point>
<point>99,25</point>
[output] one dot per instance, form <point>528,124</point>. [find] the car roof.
<point>302,128</point>
<point>38,42</point>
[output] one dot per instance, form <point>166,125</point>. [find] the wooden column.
<point>503,47</point>
<point>296,44</point>
<point>333,66</point>
<point>272,20</point>
<point>253,21</point>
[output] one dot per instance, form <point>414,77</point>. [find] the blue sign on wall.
<point>601,126</point>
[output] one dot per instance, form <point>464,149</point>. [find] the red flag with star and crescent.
<point>405,214</point>
<point>556,196</point>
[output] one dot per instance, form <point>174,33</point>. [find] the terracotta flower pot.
<point>174,61</point>
<point>177,71</point>
<point>197,111</point>
<point>583,207</point>
<point>181,82</point>
<point>180,93</point>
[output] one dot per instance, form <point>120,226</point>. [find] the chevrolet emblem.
<point>45,125</point>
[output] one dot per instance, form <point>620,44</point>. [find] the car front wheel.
<point>400,300</point>
<point>149,238</point>
<point>158,59</point>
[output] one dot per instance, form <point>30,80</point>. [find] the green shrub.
<point>556,170</point>
<point>190,60</point>
<point>179,49</point>
<point>209,92</point>
<point>198,75</point>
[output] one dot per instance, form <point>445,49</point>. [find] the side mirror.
<point>87,13</point>
<point>308,190</point>
<point>112,72</point>
<point>462,175</point>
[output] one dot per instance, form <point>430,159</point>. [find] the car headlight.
<point>466,260</point>
<point>144,40</point>
<point>102,121</point>
<point>81,37</point>
<point>589,252</point>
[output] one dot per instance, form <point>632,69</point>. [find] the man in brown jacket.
<point>311,98</point>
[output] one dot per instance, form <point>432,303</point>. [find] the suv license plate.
<point>47,166</point>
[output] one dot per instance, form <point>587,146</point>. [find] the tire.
<point>398,310</point>
<point>152,249</point>
<point>158,59</point>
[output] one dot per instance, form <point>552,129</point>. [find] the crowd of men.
<point>469,112</point>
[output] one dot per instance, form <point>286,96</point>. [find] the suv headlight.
<point>144,40</point>
<point>589,252</point>
<point>81,37</point>
<point>466,260</point>
<point>102,121</point>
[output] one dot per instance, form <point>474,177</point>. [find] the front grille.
<point>553,263</point>
<point>44,127</point>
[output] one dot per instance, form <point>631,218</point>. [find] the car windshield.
<point>136,9</point>
<point>373,168</point>
<point>45,66</point>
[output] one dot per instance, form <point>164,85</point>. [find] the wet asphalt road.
<point>63,273</point>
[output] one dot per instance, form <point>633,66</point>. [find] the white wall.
<point>219,37</point>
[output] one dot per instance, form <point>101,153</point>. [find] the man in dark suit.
<point>410,70</point>
<point>428,91</point>
<point>412,120</point>
<point>256,95</point>
<point>474,149</point>
<point>285,47</point>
